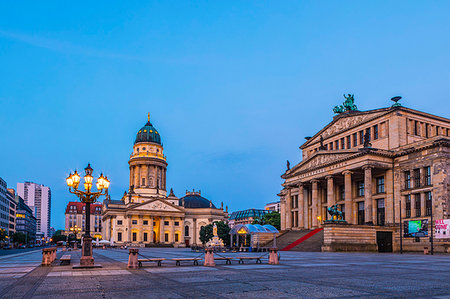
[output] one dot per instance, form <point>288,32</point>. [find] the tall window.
<point>331,146</point>
<point>380,184</point>
<point>417,204</point>
<point>408,206</point>
<point>349,145</point>
<point>143,181</point>
<point>427,171</point>
<point>361,212</point>
<point>355,139</point>
<point>380,212</point>
<point>337,144</point>
<point>416,178</point>
<point>134,237</point>
<point>375,132</point>
<point>145,237</point>
<point>186,231</point>
<point>342,192</point>
<point>166,237</point>
<point>416,127</point>
<point>119,237</point>
<point>176,237</point>
<point>407,180</point>
<point>428,202</point>
<point>360,185</point>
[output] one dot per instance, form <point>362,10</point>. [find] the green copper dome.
<point>148,133</point>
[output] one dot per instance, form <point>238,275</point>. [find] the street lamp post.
<point>87,197</point>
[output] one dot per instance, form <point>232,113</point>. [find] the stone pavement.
<point>300,275</point>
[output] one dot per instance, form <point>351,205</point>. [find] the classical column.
<point>368,194</point>
<point>131,175</point>
<point>388,201</point>
<point>330,191</point>
<point>151,229</point>
<point>300,206</point>
<point>172,231</point>
<point>288,210</point>
<point>181,240</point>
<point>164,179</point>
<point>194,233</point>
<point>348,197</point>
<point>315,202</point>
<point>148,176</point>
<point>305,208</point>
<point>162,227</point>
<point>139,176</point>
<point>283,213</point>
<point>141,228</point>
<point>129,228</point>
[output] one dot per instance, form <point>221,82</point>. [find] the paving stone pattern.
<point>300,275</point>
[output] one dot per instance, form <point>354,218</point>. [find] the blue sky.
<point>233,86</point>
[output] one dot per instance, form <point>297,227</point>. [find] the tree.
<point>19,237</point>
<point>2,234</point>
<point>223,232</point>
<point>273,218</point>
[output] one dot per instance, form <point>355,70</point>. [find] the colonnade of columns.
<point>315,196</point>
<point>154,176</point>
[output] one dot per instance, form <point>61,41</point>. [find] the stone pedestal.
<point>133,258</point>
<point>86,252</point>
<point>209,257</point>
<point>47,256</point>
<point>273,256</point>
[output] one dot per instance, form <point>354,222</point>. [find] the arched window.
<point>186,231</point>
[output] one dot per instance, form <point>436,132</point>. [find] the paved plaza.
<point>300,274</point>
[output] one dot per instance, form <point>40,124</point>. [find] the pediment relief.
<point>157,205</point>
<point>321,160</point>
<point>344,123</point>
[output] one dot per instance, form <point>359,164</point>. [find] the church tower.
<point>147,163</point>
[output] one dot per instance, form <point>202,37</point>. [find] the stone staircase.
<point>312,243</point>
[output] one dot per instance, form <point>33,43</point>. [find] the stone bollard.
<point>273,256</point>
<point>133,258</point>
<point>47,256</point>
<point>209,257</point>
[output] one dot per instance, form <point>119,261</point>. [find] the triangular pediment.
<point>157,204</point>
<point>320,159</point>
<point>344,122</point>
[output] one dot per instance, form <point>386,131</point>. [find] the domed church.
<point>146,215</point>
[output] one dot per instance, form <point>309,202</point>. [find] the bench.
<point>157,260</point>
<point>65,259</point>
<point>243,258</point>
<point>227,259</point>
<point>179,260</point>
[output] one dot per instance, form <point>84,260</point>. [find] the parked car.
<point>22,246</point>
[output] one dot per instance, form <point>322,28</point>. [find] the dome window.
<point>143,148</point>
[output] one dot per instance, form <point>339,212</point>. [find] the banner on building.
<point>442,228</point>
<point>416,228</point>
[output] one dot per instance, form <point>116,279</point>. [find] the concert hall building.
<point>379,167</point>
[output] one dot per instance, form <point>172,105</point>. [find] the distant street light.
<point>87,197</point>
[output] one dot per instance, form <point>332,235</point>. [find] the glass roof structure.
<point>245,214</point>
<point>251,229</point>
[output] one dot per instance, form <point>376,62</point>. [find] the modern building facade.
<point>76,216</point>
<point>5,199</point>
<point>245,216</point>
<point>273,206</point>
<point>25,221</point>
<point>376,166</point>
<point>146,214</point>
<point>12,211</point>
<point>38,198</point>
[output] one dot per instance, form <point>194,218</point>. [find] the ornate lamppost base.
<point>87,260</point>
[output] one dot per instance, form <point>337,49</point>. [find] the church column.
<point>305,208</point>
<point>194,228</point>
<point>136,176</point>
<point>148,176</point>
<point>368,194</point>
<point>141,228</point>
<point>129,228</point>
<point>283,213</point>
<point>182,231</point>
<point>151,229</point>
<point>348,197</point>
<point>131,175</point>
<point>164,178</point>
<point>288,210</point>
<point>162,229</point>
<point>300,206</point>
<point>139,176</point>
<point>315,201</point>
<point>172,230</point>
